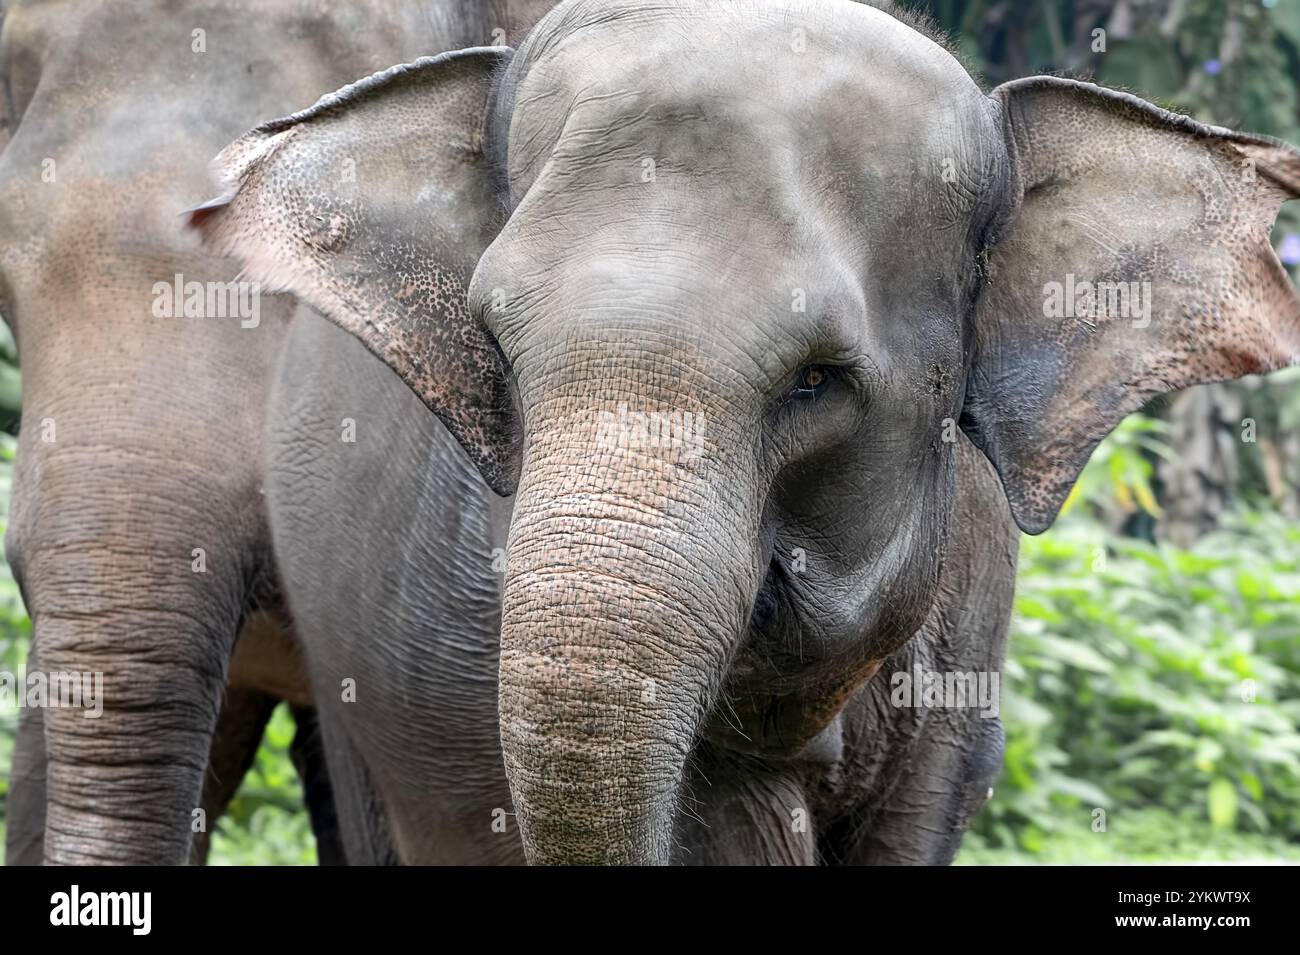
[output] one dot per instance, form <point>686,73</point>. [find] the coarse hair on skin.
<point>924,24</point>
<point>494,141</point>
<point>918,20</point>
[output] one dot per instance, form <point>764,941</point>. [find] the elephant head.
<point>721,286</point>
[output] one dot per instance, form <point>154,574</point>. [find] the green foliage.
<point>1137,835</point>
<point>1117,482</point>
<point>1145,677</point>
<point>266,823</point>
<point>11,382</point>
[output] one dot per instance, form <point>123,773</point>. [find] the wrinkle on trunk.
<point>629,582</point>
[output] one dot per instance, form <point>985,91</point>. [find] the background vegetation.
<point>1153,682</point>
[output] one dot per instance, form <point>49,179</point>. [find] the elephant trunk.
<point>629,583</point>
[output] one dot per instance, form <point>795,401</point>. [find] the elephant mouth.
<point>773,611</point>
<point>767,604</point>
<point>790,677</point>
<point>780,643</point>
<point>762,685</point>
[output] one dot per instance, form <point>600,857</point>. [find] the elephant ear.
<point>1108,189</point>
<point>373,207</point>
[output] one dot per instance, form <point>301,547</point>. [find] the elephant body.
<point>393,547</point>
<point>741,308</point>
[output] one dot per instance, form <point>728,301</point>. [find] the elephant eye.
<point>813,380</point>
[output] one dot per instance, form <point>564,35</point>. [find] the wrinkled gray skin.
<point>157,421</point>
<point>839,253</point>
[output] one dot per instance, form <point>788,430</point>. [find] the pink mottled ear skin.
<point>373,207</point>
<point>1108,188</point>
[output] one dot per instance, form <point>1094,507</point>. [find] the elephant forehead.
<point>746,94</point>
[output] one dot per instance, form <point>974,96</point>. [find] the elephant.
<point>649,488</point>
<point>138,531</point>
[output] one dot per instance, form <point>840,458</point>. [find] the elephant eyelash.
<point>812,382</point>
<point>799,391</point>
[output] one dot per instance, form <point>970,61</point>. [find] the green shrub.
<point>1141,676</point>
<point>266,823</point>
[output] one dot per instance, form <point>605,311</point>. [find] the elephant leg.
<point>235,741</point>
<point>25,809</point>
<point>739,810</point>
<point>239,731</point>
<point>244,715</point>
<point>269,659</point>
<point>238,734</point>
<point>122,787</point>
<point>135,599</point>
<point>363,827</point>
<point>308,754</point>
<point>922,819</point>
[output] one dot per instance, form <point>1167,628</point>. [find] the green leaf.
<point>1250,783</point>
<point>1221,798</point>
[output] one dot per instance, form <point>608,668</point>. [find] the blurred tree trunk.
<point>1275,406</point>
<point>1205,434</point>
